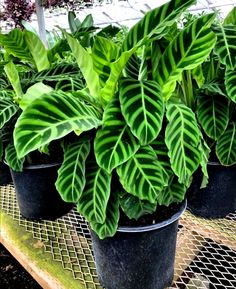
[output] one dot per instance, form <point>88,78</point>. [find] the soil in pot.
<point>140,256</point>
<point>218,199</point>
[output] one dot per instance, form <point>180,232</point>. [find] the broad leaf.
<point>182,138</point>
<point>231,17</point>
<point>188,50</point>
<point>155,22</point>
<point>114,143</point>
<point>230,84</point>
<point>135,208</point>
<point>38,50</point>
<point>205,153</point>
<point>7,110</point>
<point>13,77</point>
<point>225,46</point>
<point>51,117</point>
<point>142,106</point>
<point>71,175</point>
<point>213,114</point>
<point>93,201</point>
<point>132,67</point>
<point>226,146</point>
<point>74,22</point>
<point>15,163</point>
<point>143,176</point>
<point>214,87</point>
<point>109,227</point>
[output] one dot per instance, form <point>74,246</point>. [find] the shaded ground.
<point>13,275</point>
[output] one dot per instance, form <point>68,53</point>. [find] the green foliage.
<point>230,84</point>
<point>7,110</point>
<point>11,158</point>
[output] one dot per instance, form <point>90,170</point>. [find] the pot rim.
<point>172,219</point>
<point>35,167</point>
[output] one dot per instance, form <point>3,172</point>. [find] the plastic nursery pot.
<point>218,199</point>
<point>138,257</point>
<point>5,175</point>
<point>36,193</point>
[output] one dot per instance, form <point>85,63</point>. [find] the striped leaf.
<point>182,138</point>
<point>155,22</point>
<point>71,175</point>
<point>132,67</point>
<point>142,106</point>
<point>213,114</point>
<point>109,227</point>
<point>188,50</point>
<point>114,143</point>
<point>15,44</point>
<point>93,201</point>
<point>230,84</point>
<point>51,117</point>
<point>226,146</point>
<point>104,52</point>
<point>205,153</point>
<point>225,46</point>
<point>231,17</point>
<point>13,77</point>
<point>38,50</point>
<point>135,208</point>
<point>143,176</point>
<point>7,110</point>
<point>12,160</point>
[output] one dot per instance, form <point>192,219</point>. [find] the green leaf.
<point>114,143</point>
<point>51,117</point>
<point>71,175</point>
<point>213,114</point>
<point>104,52</point>
<point>132,67</point>
<point>231,17</point>
<point>85,62</point>
<point>143,176</point>
<point>225,46</point>
<point>109,227</point>
<point>38,50</point>
<point>182,138</point>
<point>74,22</point>
<point>7,110</point>
<point>205,153</point>
<point>33,92</point>
<point>155,22</point>
<point>187,51</point>
<point>230,84</point>
<point>226,146</point>
<point>13,77</point>
<point>15,44</point>
<point>135,208</point>
<point>198,75</point>
<point>15,163</point>
<point>93,201</point>
<point>142,106</point>
<point>214,87</point>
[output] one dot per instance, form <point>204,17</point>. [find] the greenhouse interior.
<point>117,144</point>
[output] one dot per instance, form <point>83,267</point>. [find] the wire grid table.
<point>205,256</point>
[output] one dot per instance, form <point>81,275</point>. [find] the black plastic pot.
<point>218,199</point>
<point>138,257</point>
<point>36,193</point>
<point>5,175</point>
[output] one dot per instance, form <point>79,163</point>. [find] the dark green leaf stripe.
<point>132,67</point>
<point>109,227</point>
<point>230,84</point>
<point>11,158</point>
<point>143,176</point>
<point>142,106</point>
<point>93,201</point>
<point>14,43</point>
<point>51,117</point>
<point>7,110</point>
<point>226,146</point>
<point>182,138</point>
<point>189,49</point>
<point>213,114</point>
<point>114,143</point>
<point>155,22</point>
<point>71,175</point>
<point>204,148</point>
<point>215,87</point>
<point>225,46</point>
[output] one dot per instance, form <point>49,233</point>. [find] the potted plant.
<point>138,143</point>
<point>216,110</point>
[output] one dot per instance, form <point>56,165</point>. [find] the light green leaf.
<point>15,163</point>
<point>182,138</point>
<point>142,106</point>
<point>114,143</point>
<point>7,110</point>
<point>230,84</point>
<point>231,17</point>
<point>71,175</point>
<point>51,117</point>
<point>13,77</point>
<point>38,50</point>
<point>198,75</point>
